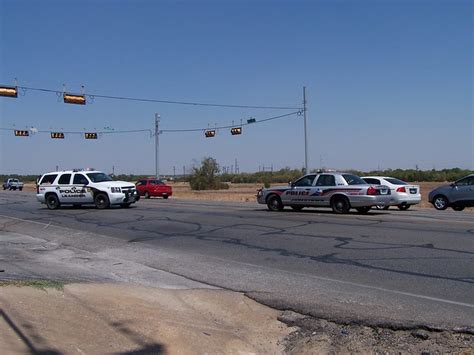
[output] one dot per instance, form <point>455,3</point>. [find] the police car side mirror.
<point>291,184</point>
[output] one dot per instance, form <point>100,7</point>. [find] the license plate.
<point>413,191</point>
<point>383,191</point>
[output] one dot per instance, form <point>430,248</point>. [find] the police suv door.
<point>64,187</point>
<point>82,191</point>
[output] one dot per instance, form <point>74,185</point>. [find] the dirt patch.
<point>101,319</point>
<point>323,337</point>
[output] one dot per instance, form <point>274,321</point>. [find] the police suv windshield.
<point>99,177</point>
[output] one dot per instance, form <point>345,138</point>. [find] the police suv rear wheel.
<point>52,201</point>
<point>101,201</point>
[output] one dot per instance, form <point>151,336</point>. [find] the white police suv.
<point>80,187</point>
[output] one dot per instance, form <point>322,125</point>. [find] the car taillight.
<point>401,189</point>
<point>371,191</point>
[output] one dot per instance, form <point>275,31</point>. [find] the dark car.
<point>153,187</point>
<point>458,195</point>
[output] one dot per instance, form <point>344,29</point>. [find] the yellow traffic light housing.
<point>90,135</point>
<point>210,133</point>
<point>8,91</point>
<point>74,99</point>
<point>236,130</point>
<point>21,133</point>
<point>57,135</point>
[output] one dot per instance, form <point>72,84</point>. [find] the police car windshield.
<point>99,177</point>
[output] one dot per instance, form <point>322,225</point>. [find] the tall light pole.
<point>305,132</point>
<point>157,146</point>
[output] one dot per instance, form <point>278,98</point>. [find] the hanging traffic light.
<point>210,133</point>
<point>236,130</point>
<point>57,135</point>
<point>251,120</point>
<point>90,135</point>
<point>74,99</point>
<point>8,91</point>
<point>21,133</point>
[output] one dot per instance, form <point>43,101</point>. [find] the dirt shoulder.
<point>130,319</point>
<point>121,318</point>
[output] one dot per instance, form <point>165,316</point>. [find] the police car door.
<point>83,194</point>
<point>300,190</point>
<point>321,191</point>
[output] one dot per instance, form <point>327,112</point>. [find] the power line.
<point>236,125</point>
<point>173,102</point>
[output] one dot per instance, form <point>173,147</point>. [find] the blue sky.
<point>389,83</point>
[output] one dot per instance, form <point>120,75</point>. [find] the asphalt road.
<point>390,268</point>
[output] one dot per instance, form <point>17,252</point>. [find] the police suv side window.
<point>48,179</point>
<point>64,179</point>
<point>80,179</point>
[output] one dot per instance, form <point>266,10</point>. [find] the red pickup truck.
<point>153,187</point>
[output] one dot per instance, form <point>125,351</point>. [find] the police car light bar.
<point>8,91</point>
<point>74,99</point>
<point>57,135</point>
<point>210,133</point>
<point>90,135</point>
<point>21,133</point>
<point>236,130</point>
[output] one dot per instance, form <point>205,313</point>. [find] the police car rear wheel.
<point>52,201</point>
<point>274,203</point>
<point>340,205</point>
<point>101,201</point>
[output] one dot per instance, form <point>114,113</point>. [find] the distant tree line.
<point>208,176</point>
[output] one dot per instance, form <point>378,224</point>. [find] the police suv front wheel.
<point>101,201</point>
<point>52,201</point>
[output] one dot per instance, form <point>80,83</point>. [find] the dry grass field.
<point>247,192</point>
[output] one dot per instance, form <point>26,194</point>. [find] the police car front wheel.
<point>101,201</point>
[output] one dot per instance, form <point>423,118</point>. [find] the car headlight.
<point>115,189</point>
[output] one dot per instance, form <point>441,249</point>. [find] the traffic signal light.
<point>74,99</point>
<point>22,133</point>
<point>90,135</point>
<point>57,135</point>
<point>236,130</point>
<point>210,133</point>
<point>8,91</point>
<point>251,120</point>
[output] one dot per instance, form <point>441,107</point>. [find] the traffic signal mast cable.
<point>172,102</point>
<point>298,113</point>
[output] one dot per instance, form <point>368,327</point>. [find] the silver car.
<point>340,191</point>
<point>403,195</point>
<point>458,195</point>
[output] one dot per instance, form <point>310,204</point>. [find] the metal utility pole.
<point>305,132</point>
<point>157,146</point>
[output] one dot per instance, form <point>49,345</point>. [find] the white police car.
<point>79,187</point>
